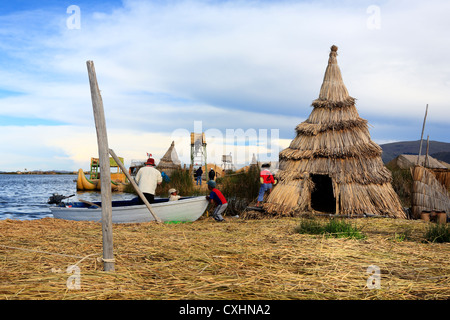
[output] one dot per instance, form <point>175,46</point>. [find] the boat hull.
<point>184,210</point>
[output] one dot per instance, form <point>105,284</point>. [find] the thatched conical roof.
<point>169,161</point>
<point>333,147</point>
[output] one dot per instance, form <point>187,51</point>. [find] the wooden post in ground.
<point>105,178</point>
<point>427,163</point>
<point>133,183</point>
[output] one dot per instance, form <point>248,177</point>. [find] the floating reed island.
<point>264,259</point>
<point>332,165</point>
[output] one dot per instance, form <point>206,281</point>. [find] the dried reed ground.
<point>238,259</point>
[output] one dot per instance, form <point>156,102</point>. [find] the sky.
<point>244,72</point>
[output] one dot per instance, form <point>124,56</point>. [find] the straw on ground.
<point>239,259</point>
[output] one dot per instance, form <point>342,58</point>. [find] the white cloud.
<point>237,64</point>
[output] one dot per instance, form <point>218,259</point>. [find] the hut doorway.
<point>322,197</point>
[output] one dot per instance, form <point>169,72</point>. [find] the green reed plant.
<point>403,235</point>
<point>338,228</point>
<point>180,180</point>
<point>439,233</point>
<point>402,184</point>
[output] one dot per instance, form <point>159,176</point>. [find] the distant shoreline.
<point>39,172</point>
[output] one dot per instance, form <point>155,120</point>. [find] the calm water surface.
<point>24,197</point>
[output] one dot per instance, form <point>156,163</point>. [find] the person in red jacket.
<point>267,182</point>
<point>216,197</point>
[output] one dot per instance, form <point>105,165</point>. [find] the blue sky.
<point>163,66</point>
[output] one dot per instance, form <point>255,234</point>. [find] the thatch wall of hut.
<point>428,193</point>
<point>332,161</point>
<point>443,176</point>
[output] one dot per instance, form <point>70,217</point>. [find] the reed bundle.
<point>334,142</point>
<point>239,259</point>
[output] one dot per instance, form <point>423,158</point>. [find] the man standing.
<point>211,174</point>
<point>148,179</point>
<point>199,174</point>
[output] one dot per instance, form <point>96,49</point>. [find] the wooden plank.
<point>135,186</point>
<point>103,151</point>
<point>90,203</point>
<point>256,208</point>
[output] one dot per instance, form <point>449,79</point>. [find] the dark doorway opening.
<point>322,198</point>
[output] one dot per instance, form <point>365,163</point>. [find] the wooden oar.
<point>133,183</point>
<point>90,203</point>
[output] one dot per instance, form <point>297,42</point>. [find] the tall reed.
<point>180,180</point>
<point>240,189</point>
<point>402,184</point>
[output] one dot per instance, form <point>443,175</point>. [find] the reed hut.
<point>428,193</point>
<point>332,165</point>
<point>170,161</point>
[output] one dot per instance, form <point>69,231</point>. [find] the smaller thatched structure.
<point>170,161</point>
<point>428,193</point>
<point>440,169</point>
<point>406,161</point>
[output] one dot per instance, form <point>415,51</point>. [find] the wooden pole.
<point>133,183</point>
<point>427,164</point>
<point>421,137</point>
<point>206,164</point>
<point>105,178</point>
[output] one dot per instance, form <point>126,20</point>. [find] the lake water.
<point>24,197</point>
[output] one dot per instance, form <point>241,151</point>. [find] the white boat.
<point>184,210</point>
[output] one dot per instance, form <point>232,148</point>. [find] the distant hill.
<point>443,156</point>
<point>437,149</point>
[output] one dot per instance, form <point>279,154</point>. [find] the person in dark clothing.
<point>199,173</point>
<point>216,197</point>
<point>211,174</point>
